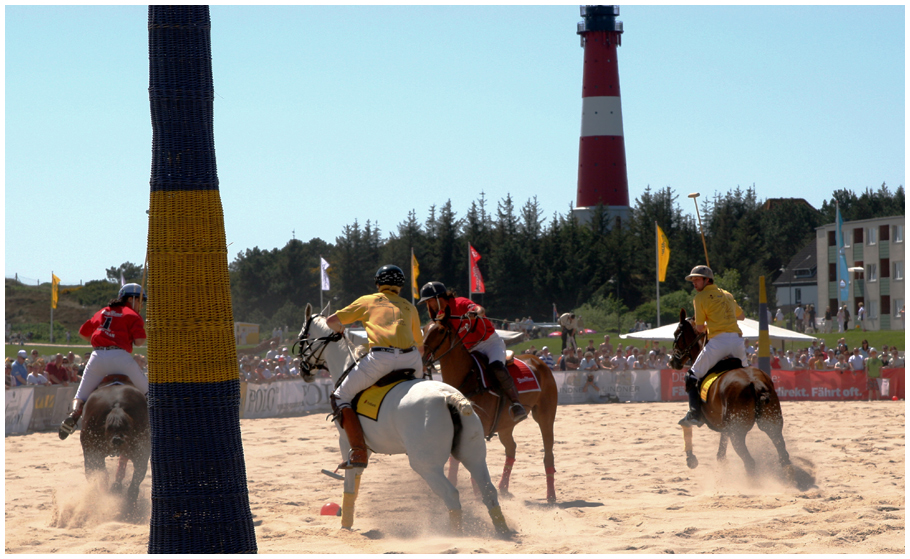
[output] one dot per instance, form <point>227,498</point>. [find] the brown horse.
<point>443,344</point>
<point>738,400</point>
<point>115,422</point>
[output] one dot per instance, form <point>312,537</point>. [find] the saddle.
<point>382,386</point>
<point>722,366</point>
<point>111,380</point>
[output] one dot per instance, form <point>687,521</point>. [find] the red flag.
<point>476,278</point>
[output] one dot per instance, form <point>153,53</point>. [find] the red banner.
<point>476,278</point>
<point>801,385</point>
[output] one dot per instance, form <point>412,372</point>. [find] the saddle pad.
<point>523,377</point>
<point>371,399</point>
<point>722,366</point>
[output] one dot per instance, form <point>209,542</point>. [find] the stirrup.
<point>518,412</point>
<point>350,464</point>
<point>66,428</point>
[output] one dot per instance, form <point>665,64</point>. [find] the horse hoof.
<point>692,462</point>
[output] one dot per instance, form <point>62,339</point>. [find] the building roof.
<point>772,202</point>
<point>802,268</point>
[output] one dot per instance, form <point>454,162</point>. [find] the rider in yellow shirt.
<point>716,312</point>
<point>396,342</point>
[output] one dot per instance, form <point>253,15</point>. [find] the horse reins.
<point>678,354</point>
<point>314,349</point>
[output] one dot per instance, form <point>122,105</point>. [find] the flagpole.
<point>52,306</point>
<point>321,271</point>
<point>657,268</point>
<point>470,275</point>
<point>413,279</point>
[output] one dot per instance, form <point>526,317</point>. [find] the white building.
<point>876,246</point>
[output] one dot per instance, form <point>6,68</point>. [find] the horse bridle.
<point>679,354</point>
<point>429,356</point>
<point>312,349</point>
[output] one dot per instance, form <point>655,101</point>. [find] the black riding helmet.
<point>431,290</point>
<point>390,275</point>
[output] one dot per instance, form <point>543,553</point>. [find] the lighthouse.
<point>602,175</point>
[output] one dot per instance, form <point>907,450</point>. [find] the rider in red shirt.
<point>478,334</point>
<point>113,332</point>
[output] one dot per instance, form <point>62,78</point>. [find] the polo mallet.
<point>695,195</point>
<point>332,474</point>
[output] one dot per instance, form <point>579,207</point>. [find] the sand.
<point>622,484</point>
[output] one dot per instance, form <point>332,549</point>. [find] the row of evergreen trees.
<point>532,261</point>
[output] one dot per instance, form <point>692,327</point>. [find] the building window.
<point>898,235</point>
<point>832,238</point>
<point>871,235</point>
<point>885,266</point>
<point>898,270</point>
<point>886,304</point>
<point>858,236</point>
<point>898,306</point>
<point>872,311</point>
<point>832,271</point>
<point>883,231</point>
<point>803,273</point>
<point>798,294</point>
<point>871,272</point>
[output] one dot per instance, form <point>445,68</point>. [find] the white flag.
<point>325,276</point>
<point>122,281</point>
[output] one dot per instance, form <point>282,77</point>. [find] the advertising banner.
<point>285,398</point>
<point>637,385</point>
<point>20,402</point>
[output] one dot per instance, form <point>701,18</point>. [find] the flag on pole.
<point>663,254</point>
<point>122,281</point>
<point>55,281</point>
<point>843,292</point>
<point>325,275</point>
<point>476,278</point>
<point>415,271</point>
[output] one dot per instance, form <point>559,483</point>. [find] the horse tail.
<point>117,423</point>
<point>458,406</point>
<point>762,395</point>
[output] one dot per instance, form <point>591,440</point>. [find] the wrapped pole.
<point>200,501</point>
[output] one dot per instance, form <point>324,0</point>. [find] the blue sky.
<point>324,115</point>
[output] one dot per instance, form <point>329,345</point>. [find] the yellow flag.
<point>415,271</point>
<point>55,281</point>
<point>663,254</point>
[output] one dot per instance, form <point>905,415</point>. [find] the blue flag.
<point>843,280</point>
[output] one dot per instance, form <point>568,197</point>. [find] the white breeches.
<point>493,347</point>
<point>720,346</point>
<point>110,362</point>
<point>373,367</point>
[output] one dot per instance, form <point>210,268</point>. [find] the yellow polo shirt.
<point>390,321</point>
<point>718,310</point>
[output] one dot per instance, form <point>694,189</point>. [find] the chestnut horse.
<point>442,344</point>
<point>115,422</point>
<point>738,400</point>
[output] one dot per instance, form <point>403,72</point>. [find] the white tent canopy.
<point>748,326</point>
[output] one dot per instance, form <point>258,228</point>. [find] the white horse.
<point>425,419</point>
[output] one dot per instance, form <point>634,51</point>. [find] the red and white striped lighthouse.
<point>602,175</point>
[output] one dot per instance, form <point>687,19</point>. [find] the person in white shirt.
<point>831,361</point>
<point>633,360</point>
<point>588,363</point>
<point>37,378</point>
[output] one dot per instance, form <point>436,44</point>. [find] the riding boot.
<point>69,424</point>
<point>351,424</point>
<point>517,411</point>
<point>693,416</point>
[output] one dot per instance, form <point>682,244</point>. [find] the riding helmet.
<point>132,290</point>
<point>390,275</point>
<point>700,272</point>
<point>431,290</point>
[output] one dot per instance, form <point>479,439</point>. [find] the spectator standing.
<point>861,316</point>
<point>572,360</point>
<point>831,360</point>
<point>547,357</point>
<point>779,317</point>
<point>846,319</point>
<point>619,361</point>
<point>873,374</point>
<point>799,313</point>
<point>842,364</point>
<point>653,362</point>
<point>37,379</point>
<point>588,363</point>
<point>19,370</point>
<point>841,317</point>
<point>864,349</point>
<point>896,360</point>
<point>810,319</point>
<point>828,319</point>
<point>55,372</point>
<point>273,351</point>
<point>606,348</point>
<point>569,325</point>
<point>857,361</point>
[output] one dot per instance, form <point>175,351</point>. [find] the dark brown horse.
<point>115,422</point>
<point>738,400</point>
<point>443,344</point>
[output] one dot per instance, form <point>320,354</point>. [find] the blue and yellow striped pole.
<point>200,501</point>
<point>764,342</point>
